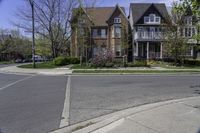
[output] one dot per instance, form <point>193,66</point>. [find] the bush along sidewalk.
<point>62,61</point>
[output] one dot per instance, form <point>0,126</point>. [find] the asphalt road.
<point>34,103</point>
<point>31,103</point>
<point>6,65</point>
<point>93,96</point>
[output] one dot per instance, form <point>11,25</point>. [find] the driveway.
<point>31,103</point>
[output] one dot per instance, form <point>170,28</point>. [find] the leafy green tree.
<point>15,45</point>
<point>175,44</point>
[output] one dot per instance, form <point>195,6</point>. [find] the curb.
<point>106,121</point>
<point>55,72</point>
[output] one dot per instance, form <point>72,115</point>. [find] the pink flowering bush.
<point>104,59</point>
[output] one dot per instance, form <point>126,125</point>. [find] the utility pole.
<point>33,32</point>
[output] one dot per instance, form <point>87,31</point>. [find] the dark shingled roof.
<point>99,15</point>
<point>138,9</point>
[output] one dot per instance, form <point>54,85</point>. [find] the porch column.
<point>147,50</point>
<point>137,49</point>
<point>161,50</point>
<point>192,51</point>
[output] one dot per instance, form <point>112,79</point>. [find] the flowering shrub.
<point>102,59</point>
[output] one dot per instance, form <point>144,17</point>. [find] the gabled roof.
<point>100,15</point>
<point>139,9</point>
<point>121,9</point>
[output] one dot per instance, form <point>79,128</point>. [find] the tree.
<point>14,45</point>
<point>175,44</point>
<point>52,21</point>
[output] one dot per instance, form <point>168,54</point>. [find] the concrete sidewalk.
<point>178,117</point>
<point>56,71</point>
<point>174,116</point>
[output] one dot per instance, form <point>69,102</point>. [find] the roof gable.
<point>100,15</point>
<point>139,9</point>
<point>122,11</point>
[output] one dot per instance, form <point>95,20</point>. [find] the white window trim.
<point>149,19</point>
<point>103,35</point>
<point>119,33</point>
<point>117,20</point>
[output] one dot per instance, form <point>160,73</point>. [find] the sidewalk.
<point>180,117</point>
<point>56,71</point>
<point>174,116</point>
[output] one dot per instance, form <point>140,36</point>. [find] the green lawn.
<point>84,66</point>
<point>43,65</point>
<point>5,62</point>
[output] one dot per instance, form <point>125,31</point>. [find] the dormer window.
<point>81,21</point>
<point>188,20</point>
<point>152,18</point>
<point>117,20</point>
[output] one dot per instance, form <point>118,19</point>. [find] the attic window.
<point>81,21</point>
<point>188,20</point>
<point>152,18</point>
<point>117,20</point>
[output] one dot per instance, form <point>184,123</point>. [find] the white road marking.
<point>65,114</point>
<point>11,84</point>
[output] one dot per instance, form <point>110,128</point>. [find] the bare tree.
<point>52,21</point>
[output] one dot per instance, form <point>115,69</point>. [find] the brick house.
<point>96,30</point>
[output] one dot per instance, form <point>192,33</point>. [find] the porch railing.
<point>149,35</point>
<point>154,55</point>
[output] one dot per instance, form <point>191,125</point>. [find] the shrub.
<point>74,60</point>
<point>192,62</point>
<point>138,63</point>
<point>61,61</point>
<point>102,59</point>
<point>109,64</point>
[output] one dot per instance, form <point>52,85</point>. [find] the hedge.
<point>192,62</point>
<point>62,61</point>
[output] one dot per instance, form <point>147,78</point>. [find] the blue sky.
<point>9,7</point>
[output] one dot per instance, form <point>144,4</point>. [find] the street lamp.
<point>33,31</point>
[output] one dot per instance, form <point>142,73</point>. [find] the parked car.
<point>18,61</point>
<point>38,58</point>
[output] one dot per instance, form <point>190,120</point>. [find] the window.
<point>188,20</point>
<point>117,32</point>
<point>151,17</point>
<point>82,32</point>
<point>146,19</point>
<point>157,19</point>
<point>103,33</point>
<point>94,32</point>
<point>117,20</point>
<point>81,21</point>
<point>189,32</point>
<point>118,50</point>
<point>193,31</point>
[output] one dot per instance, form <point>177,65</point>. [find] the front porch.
<point>148,50</point>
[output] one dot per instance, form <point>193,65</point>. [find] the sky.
<point>8,8</point>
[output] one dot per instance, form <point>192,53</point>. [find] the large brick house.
<point>96,30</point>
